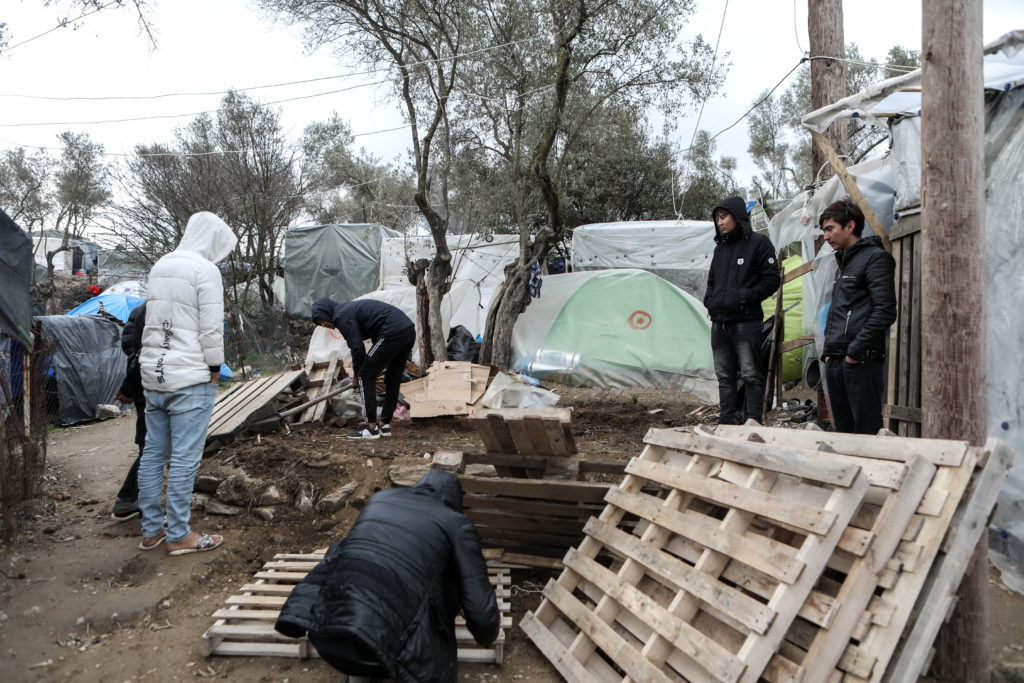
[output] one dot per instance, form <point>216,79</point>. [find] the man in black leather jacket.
<point>126,505</point>
<point>862,310</point>
<point>743,273</point>
<point>383,601</point>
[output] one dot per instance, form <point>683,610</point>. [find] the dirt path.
<point>79,602</point>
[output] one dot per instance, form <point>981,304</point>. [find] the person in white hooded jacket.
<point>182,351</point>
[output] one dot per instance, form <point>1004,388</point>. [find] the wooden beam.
<point>802,269</point>
<point>797,343</point>
<point>850,184</point>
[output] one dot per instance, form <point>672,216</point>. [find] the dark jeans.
<point>387,355</point>
<point>737,349</point>
<point>347,656</point>
<point>130,488</point>
<point>855,393</point>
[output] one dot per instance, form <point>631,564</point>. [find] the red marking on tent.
<point>640,320</point>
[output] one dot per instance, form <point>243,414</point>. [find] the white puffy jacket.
<point>184,334</point>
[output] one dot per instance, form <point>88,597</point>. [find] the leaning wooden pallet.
<point>908,573</point>
<point>655,617</point>
<point>322,378</point>
<point>233,408</point>
<point>245,627</point>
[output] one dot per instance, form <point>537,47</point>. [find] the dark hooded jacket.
<point>397,581</point>
<point>131,344</point>
<point>863,301</point>
<point>744,271</point>
<point>362,319</point>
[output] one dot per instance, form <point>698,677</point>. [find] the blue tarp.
<point>117,305</point>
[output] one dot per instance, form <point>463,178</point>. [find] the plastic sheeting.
<point>135,288</point>
<point>616,329</point>
<point>1003,70</point>
<point>16,275</point>
<point>677,251</point>
<point>87,361</point>
<point>337,261</point>
<point>117,305</point>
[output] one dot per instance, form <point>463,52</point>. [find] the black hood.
<point>737,206</point>
<point>863,243</point>
<point>324,308</point>
<point>442,486</point>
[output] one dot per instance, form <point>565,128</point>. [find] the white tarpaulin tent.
<point>478,266</point>
<point>1004,221</point>
<point>678,251</point>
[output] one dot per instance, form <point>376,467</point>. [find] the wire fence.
<point>260,342</point>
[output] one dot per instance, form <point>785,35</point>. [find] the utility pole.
<point>953,399</point>
<point>828,76</point>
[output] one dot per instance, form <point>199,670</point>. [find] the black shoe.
<point>124,510</point>
<point>385,430</point>
<point>364,432</point>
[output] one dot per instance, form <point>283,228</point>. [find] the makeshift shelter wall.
<point>16,274</point>
<point>616,328</point>
<point>88,363</point>
<point>475,261</point>
<point>117,265</point>
<point>336,261</point>
<point>677,251</point>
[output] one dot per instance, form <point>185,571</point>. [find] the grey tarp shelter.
<point>16,274</point>
<point>87,362</point>
<point>337,261</point>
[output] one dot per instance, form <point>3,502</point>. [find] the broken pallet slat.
<point>231,410</point>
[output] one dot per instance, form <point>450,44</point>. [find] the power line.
<point>63,24</point>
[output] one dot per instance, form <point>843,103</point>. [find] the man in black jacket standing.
<point>393,336</point>
<point>383,601</point>
<point>126,505</point>
<point>862,310</point>
<point>744,272</point>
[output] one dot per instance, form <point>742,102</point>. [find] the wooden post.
<point>828,76</point>
<point>850,185</point>
<point>775,357</point>
<point>953,400</point>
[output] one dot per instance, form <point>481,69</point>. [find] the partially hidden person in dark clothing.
<point>392,334</point>
<point>862,310</point>
<point>744,272</point>
<point>384,599</point>
<point>126,505</point>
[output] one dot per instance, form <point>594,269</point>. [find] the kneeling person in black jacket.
<point>393,336</point>
<point>383,601</point>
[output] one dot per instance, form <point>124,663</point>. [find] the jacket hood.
<point>324,308</point>
<point>207,235</point>
<point>442,486</point>
<point>863,243</point>
<point>738,208</point>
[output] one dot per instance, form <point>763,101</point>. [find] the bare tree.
<point>24,181</point>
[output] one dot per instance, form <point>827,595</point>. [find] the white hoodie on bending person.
<point>183,341</point>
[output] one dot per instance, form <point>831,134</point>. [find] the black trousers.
<point>737,350</point>
<point>130,488</point>
<point>855,393</point>
<point>387,355</point>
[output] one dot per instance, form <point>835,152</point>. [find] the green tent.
<point>616,329</point>
<point>792,300</point>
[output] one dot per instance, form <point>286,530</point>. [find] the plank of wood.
<point>785,461</point>
<point>936,598</point>
<point>582,491</point>
<point>554,650</point>
<point>569,510</point>
<point>556,435</point>
<point>233,414</point>
<point>326,377</point>
<point>790,512</point>
<point>936,451</point>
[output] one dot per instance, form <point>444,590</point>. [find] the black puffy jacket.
<point>362,319</point>
<point>863,301</point>
<point>743,270</point>
<point>131,344</point>
<point>397,581</point>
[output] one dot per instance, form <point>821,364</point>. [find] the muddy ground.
<point>79,602</point>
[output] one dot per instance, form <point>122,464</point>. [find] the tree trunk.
<point>418,274</point>
<point>828,76</point>
<point>953,399</point>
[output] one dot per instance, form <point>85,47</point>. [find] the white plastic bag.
<point>327,344</point>
<point>510,391</point>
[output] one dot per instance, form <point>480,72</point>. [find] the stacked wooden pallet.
<point>770,554</point>
<point>245,626</point>
<point>536,508</point>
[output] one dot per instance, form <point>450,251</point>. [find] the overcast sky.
<point>208,46</point>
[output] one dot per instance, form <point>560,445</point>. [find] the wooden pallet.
<point>322,379</point>
<point>245,627</point>
<point>745,515</point>
<point>528,431</point>
<point>243,401</point>
<point>905,573</point>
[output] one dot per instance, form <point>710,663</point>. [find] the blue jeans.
<point>737,350</point>
<point>176,423</point>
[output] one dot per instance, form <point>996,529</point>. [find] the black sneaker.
<point>364,432</point>
<point>385,430</point>
<point>124,510</point>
